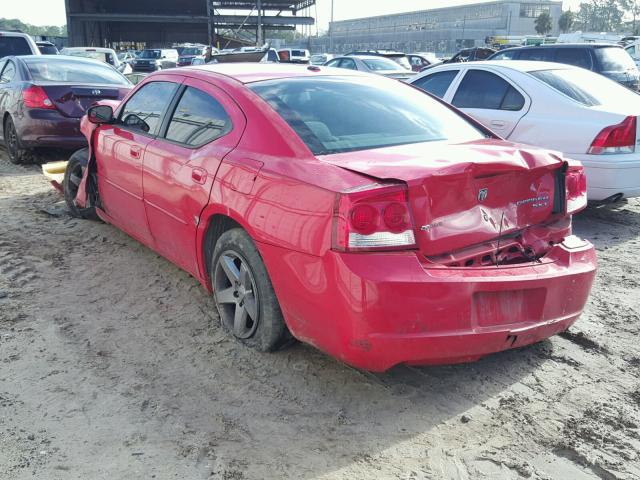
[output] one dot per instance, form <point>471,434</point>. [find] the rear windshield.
<point>101,56</point>
<point>150,54</point>
<point>48,49</point>
<point>14,46</point>
<point>614,59</point>
<point>69,70</point>
<point>381,64</point>
<point>585,87</point>
<point>298,53</point>
<point>341,114</point>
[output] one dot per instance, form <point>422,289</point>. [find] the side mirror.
<point>100,114</point>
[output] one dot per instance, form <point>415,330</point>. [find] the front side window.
<point>341,114</point>
<point>198,119</point>
<point>438,83</point>
<point>481,89</point>
<point>144,110</point>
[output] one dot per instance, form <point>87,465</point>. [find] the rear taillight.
<point>377,218</point>
<point>620,138</point>
<point>576,188</point>
<point>36,97</point>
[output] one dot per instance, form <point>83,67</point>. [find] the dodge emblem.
<point>482,194</point>
<point>96,92</point>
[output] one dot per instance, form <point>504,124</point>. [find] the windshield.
<point>192,51</point>
<point>74,71</point>
<point>585,87</point>
<point>150,54</point>
<point>381,64</point>
<point>614,59</point>
<point>341,114</point>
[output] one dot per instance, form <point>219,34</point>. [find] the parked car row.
<point>582,114</point>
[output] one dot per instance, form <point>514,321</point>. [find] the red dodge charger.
<point>349,211</point>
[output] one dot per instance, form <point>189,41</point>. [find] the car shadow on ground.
<point>140,330</point>
<point>608,224</point>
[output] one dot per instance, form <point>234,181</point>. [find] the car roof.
<point>8,33</point>
<point>518,65</point>
<point>257,72</point>
<point>89,49</point>
<point>563,45</point>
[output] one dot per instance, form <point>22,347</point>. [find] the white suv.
<point>17,43</point>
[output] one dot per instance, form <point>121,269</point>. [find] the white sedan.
<point>580,113</point>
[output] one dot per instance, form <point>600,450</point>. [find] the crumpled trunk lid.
<point>74,100</point>
<point>467,194</point>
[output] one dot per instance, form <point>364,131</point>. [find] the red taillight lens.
<point>620,138</point>
<point>364,218</point>
<point>36,97</point>
<point>377,218</point>
<point>576,188</point>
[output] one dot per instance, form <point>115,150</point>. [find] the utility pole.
<point>211,26</point>
<point>331,30</point>
<point>259,39</point>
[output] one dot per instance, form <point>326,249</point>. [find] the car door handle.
<point>199,175</point>
<point>135,152</point>
<point>498,123</point>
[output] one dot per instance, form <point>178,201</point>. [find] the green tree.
<point>602,15</point>
<point>565,22</point>
<point>543,23</point>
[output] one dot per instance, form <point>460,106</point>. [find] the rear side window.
<point>198,119</point>
<point>8,73</point>
<point>537,54</point>
<point>348,63</point>
<point>614,59</point>
<point>572,84</point>
<point>14,46</point>
<point>574,56</point>
<point>333,63</point>
<point>143,112</point>
<point>480,89</point>
<point>438,83</point>
<point>506,55</point>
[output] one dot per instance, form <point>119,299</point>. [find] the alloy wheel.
<point>236,294</point>
<point>11,138</point>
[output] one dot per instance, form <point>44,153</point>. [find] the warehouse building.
<point>442,30</point>
<point>124,24</point>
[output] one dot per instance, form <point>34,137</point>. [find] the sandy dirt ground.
<point>113,365</point>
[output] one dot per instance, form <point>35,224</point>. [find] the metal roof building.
<point>161,23</point>
<point>443,30</point>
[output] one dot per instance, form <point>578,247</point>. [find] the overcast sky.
<point>51,12</point>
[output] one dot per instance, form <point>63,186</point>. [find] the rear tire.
<point>244,295</point>
<point>17,153</point>
<point>72,177</point>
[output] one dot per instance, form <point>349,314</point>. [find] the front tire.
<point>244,295</point>
<point>72,177</point>
<point>17,153</point>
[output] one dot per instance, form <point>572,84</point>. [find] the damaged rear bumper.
<point>374,311</point>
